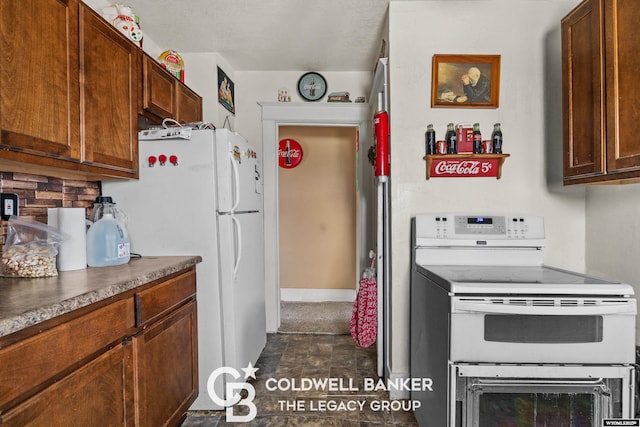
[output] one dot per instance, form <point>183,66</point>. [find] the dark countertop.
<point>25,302</point>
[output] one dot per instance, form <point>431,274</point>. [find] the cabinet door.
<point>99,393</point>
<point>583,85</point>
<point>110,73</point>
<point>623,89</point>
<point>189,105</point>
<point>167,366</point>
<point>159,90</point>
<point>38,360</point>
<point>39,88</point>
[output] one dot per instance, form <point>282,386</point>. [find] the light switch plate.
<point>9,204</point>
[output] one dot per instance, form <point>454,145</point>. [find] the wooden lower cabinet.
<point>99,393</point>
<point>133,361</point>
<point>166,358</point>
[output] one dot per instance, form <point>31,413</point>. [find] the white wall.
<point>262,86</point>
<point>526,35</point>
<point>201,75</point>
<point>613,234</point>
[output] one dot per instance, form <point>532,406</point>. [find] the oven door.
<point>498,329</point>
<point>570,396</point>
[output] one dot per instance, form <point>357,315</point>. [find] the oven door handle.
<point>488,307</point>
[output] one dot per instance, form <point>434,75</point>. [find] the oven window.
<point>536,409</point>
<point>527,402</point>
<point>542,329</point>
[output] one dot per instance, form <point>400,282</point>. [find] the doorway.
<point>317,215</point>
<point>276,115</point>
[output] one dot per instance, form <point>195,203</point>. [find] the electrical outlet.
<point>9,205</point>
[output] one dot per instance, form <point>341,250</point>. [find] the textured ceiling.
<point>327,35</point>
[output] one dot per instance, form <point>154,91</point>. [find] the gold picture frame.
<point>465,81</point>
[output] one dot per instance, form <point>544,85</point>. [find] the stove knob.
<point>152,161</point>
<point>173,159</point>
<point>163,159</point>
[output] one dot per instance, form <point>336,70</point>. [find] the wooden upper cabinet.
<point>68,92</point>
<point>110,70</point>
<point>159,93</point>
<point>166,97</point>
<point>622,18</point>
<point>601,96</point>
<point>189,105</point>
<point>39,78</point>
<point>583,83</point>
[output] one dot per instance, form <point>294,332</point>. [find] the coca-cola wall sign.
<point>443,167</point>
<point>289,153</point>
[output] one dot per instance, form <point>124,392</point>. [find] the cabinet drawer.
<point>158,300</point>
<point>30,365</point>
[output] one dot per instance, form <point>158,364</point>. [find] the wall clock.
<point>312,86</point>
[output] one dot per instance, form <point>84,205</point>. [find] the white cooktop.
<point>496,254</point>
<point>530,280</point>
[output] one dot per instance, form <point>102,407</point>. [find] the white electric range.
<point>494,327</point>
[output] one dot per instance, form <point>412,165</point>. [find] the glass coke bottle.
<point>496,137</point>
<point>430,140</point>
<point>477,139</point>
<point>452,139</point>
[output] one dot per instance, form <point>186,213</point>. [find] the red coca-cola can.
<point>442,147</point>
<point>487,146</point>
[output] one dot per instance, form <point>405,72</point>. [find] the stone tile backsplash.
<point>37,193</point>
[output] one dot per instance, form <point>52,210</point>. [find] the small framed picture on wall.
<point>465,81</point>
<point>225,92</point>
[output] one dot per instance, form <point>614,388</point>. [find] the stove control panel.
<point>479,224</point>
<point>479,228</point>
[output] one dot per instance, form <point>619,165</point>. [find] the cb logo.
<point>233,397</point>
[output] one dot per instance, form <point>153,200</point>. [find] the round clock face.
<point>312,86</point>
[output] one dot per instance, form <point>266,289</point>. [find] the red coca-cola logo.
<point>454,167</point>
<point>289,153</point>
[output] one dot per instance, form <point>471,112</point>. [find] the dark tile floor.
<point>321,357</point>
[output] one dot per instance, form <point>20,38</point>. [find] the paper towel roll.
<point>72,253</point>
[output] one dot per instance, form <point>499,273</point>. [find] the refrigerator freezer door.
<point>239,177</point>
<point>243,292</point>
<point>164,217</point>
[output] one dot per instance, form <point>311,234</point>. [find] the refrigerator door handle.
<point>235,181</point>
<point>238,251</point>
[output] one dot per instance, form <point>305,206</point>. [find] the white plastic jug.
<point>107,240</point>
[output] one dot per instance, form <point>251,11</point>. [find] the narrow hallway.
<point>329,317</point>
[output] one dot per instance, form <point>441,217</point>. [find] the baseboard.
<point>317,295</point>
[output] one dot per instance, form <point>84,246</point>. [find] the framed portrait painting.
<point>225,92</point>
<point>465,81</point>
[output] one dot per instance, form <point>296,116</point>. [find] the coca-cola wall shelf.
<point>465,165</point>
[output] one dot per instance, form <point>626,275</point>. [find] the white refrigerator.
<point>203,196</point>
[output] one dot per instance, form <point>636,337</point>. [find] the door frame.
<point>274,115</point>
